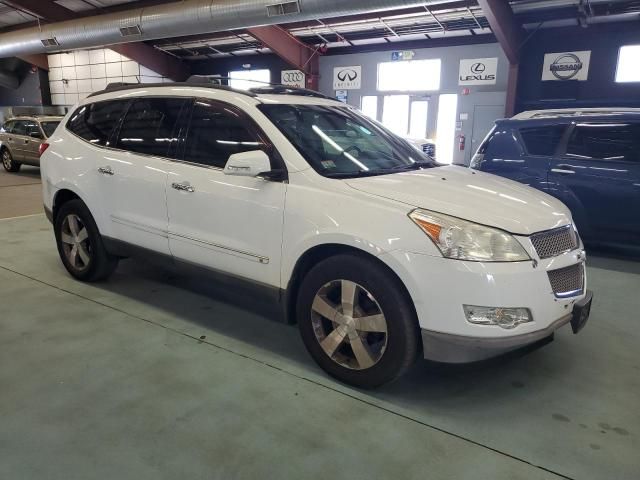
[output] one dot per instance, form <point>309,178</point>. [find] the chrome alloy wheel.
<point>6,160</point>
<point>75,242</point>
<point>349,324</point>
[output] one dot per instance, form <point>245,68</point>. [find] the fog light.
<point>506,318</point>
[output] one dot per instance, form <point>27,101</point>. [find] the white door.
<point>226,223</point>
<point>133,176</point>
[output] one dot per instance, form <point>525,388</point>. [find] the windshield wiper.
<point>414,166</point>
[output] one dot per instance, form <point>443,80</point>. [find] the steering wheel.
<point>356,151</point>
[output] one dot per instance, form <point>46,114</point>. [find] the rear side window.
<point>216,133</point>
<point>610,141</point>
<point>96,121</point>
<point>542,141</point>
<point>49,127</point>
<point>33,129</point>
<point>149,124</point>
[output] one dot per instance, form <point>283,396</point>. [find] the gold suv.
<point>20,140</point>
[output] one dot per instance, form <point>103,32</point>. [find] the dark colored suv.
<point>589,159</point>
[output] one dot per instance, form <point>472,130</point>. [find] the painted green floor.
<point>152,375</point>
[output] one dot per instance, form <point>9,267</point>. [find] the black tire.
<point>402,330</point>
<point>8,163</point>
<point>100,264</point>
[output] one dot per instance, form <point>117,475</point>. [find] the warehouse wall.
<point>479,96</point>
<point>74,75</point>
<point>600,90</point>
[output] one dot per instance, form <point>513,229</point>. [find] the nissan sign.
<point>347,78</point>
<point>478,71</point>
<point>566,66</point>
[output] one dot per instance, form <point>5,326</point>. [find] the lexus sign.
<point>293,78</point>
<point>478,71</point>
<point>566,66</point>
<point>347,78</point>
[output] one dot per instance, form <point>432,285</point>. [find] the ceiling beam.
<point>40,60</point>
<point>511,37</point>
<point>506,28</point>
<point>296,53</point>
<point>152,58</point>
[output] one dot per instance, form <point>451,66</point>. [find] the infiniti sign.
<point>347,78</point>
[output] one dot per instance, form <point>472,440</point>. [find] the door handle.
<point>105,170</point>
<point>183,187</point>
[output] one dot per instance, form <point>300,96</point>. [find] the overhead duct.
<point>188,17</point>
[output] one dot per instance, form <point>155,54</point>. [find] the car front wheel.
<point>8,163</point>
<point>80,244</point>
<point>357,321</point>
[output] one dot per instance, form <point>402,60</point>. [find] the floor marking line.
<point>20,184</point>
<point>21,216</point>
<point>280,369</point>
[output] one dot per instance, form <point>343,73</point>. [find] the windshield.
<point>340,142</point>
<point>49,127</point>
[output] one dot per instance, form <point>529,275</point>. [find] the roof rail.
<point>119,86</point>
<point>262,87</point>
<point>573,112</point>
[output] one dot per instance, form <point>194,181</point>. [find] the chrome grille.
<point>568,281</point>
<point>554,242</point>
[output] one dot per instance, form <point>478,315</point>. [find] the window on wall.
<point>411,76</point>
<point>447,113</point>
<point>628,65</point>
<point>418,120</point>
<point>246,79</point>
<point>369,106</point>
<point>395,113</point>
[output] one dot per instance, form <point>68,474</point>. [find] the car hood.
<point>471,195</point>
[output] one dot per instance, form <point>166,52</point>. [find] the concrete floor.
<point>154,375</point>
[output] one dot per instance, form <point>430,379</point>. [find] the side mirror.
<point>35,135</point>
<point>248,164</point>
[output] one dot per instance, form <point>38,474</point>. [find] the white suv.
<point>376,251</point>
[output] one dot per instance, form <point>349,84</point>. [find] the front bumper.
<point>439,288</point>
<point>441,347</point>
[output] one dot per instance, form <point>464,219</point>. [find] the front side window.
<point>215,133</point>
<point>148,127</point>
<point>339,142</point>
<point>49,127</point>
<point>605,141</point>
<point>20,127</point>
<point>95,122</point>
<point>542,141</point>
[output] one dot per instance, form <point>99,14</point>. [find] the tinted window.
<point>49,127</point>
<point>148,126</point>
<point>32,128</point>
<point>216,133</point>
<point>542,140</point>
<point>20,127</point>
<point>7,127</point>
<point>95,122</point>
<point>611,141</point>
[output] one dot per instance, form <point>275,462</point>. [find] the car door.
<point>33,137</point>
<point>227,223</point>
<point>16,140</point>
<point>598,177</point>
<point>134,172</point>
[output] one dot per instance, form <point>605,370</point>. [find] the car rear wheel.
<point>357,321</point>
<point>80,244</point>
<point>8,163</point>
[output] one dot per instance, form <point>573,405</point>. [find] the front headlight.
<point>463,240</point>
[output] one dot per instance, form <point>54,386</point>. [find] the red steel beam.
<point>40,60</point>
<point>152,58</point>
<point>511,37</point>
<point>296,53</point>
